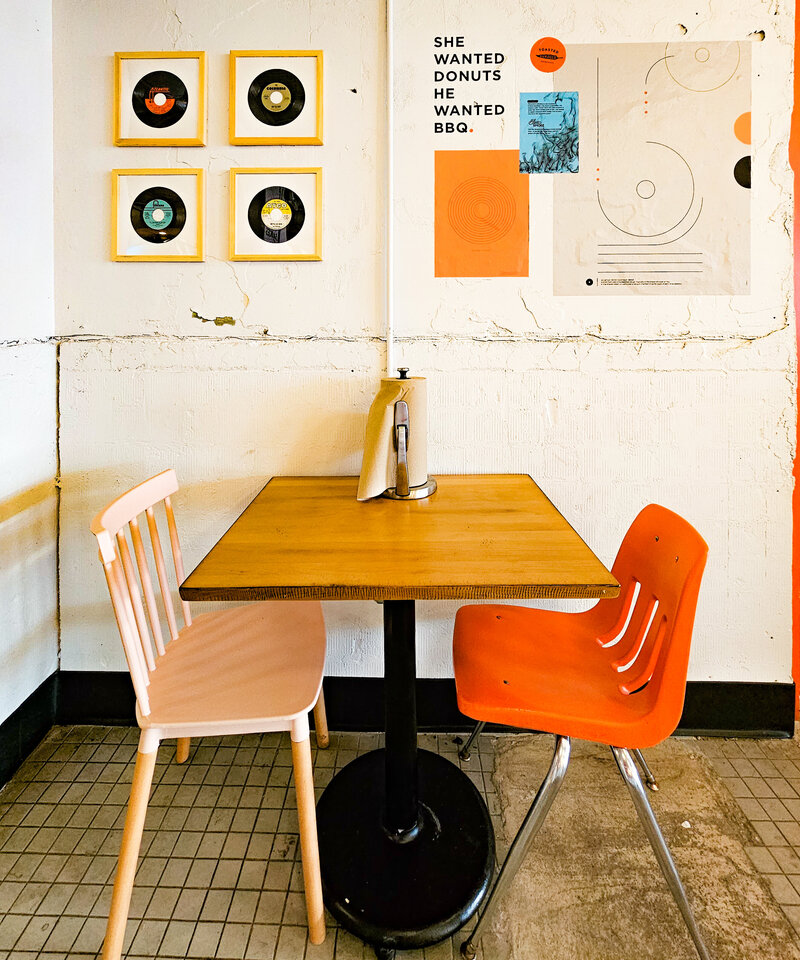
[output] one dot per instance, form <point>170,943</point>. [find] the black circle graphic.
<point>589,282</point>
<point>158,200</point>
<point>741,172</point>
<point>276,214</point>
<point>289,97</point>
<point>160,99</point>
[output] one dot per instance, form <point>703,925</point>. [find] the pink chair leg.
<point>129,855</point>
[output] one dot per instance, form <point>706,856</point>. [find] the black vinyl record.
<point>276,214</point>
<point>276,97</point>
<point>158,214</point>
<point>160,99</point>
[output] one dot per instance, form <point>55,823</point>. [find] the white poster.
<point>661,202</point>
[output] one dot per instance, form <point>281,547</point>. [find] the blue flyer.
<point>548,132</point>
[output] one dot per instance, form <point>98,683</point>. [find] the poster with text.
<point>548,132</point>
<point>661,203</point>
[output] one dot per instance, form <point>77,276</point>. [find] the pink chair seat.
<point>251,678</point>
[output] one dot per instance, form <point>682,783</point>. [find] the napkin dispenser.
<point>395,463</point>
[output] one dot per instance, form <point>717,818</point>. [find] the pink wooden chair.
<point>252,669</point>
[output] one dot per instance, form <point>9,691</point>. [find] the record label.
<point>276,214</point>
<point>276,97</point>
<point>160,99</point>
<point>158,215</point>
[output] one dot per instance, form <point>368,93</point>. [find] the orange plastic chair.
<point>614,674</point>
<point>252,669</point>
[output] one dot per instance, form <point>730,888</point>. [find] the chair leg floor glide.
<point>649,779</point>
<point>630,775</point>
<point>464,752</point>
<point>129,854</point>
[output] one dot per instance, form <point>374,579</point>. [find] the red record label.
<point>159,100</point>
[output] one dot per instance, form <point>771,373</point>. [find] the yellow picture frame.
<point>243,246</point>
<point>243,127</point>
<point>131,132</point>
<point>125,182</point>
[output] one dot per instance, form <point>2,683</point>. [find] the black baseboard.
<point>94,696</point>
<point>356,703</point>
<point>24,729</point>
<point>738,710</point>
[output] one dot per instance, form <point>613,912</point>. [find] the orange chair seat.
<point>226,666</point>
<point>540,670</point>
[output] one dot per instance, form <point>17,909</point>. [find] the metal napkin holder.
<point>401,490</point>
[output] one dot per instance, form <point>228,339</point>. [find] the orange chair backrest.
<point>648,628</point>
<point>109,526</point>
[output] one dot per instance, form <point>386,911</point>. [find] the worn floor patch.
<point>590,886</point>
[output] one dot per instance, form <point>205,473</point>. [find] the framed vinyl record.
<point>157,214</point>
<point>276,97</point>
<point>276,214</point>
<point>160,99</point>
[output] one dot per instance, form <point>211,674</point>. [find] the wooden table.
<point>406,841</point>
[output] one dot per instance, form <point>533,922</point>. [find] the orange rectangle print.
<point>481,214</point>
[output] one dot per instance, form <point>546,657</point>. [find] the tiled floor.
<point>219,874</point>
<point>764,776</point>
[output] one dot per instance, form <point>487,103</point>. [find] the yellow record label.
<point>276,97</point>
<point>276,214</point>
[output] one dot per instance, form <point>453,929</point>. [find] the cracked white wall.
<point>609,406</point>
<point>28,591</point>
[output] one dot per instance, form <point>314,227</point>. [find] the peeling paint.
<point>217,321</point>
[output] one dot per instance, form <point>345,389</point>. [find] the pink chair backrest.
<point>126,589</point>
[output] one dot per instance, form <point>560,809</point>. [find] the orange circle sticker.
<point>741,128</point>
<point>548,54</point>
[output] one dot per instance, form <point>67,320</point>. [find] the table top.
<point>477,537</point>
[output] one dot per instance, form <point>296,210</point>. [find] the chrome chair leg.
<point>630,775</point>
<point>649,779</point>
<point>522,842</point>
<point>463,753</point>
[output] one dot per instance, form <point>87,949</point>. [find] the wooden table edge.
<point>537,591</point>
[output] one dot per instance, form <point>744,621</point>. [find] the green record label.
<point>157,214</point>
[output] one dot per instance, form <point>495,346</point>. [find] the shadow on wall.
<point>28,593</point>
<point>217,481</point>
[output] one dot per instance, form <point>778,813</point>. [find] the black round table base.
<point>404,895</point>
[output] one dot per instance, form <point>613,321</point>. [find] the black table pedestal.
<point>406,841</point>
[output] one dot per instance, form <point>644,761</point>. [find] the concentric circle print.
<point>695,67</point>
<point>482,210</point>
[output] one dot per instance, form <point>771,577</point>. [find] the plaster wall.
<point>685,401</point>
<point>28,590</point>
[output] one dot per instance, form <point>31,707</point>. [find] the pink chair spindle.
<point>136,598</point>
<point>147,586</point>
<point>133,653</point>
<point>161,571</point>
<point>177,557</point>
